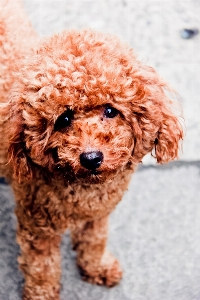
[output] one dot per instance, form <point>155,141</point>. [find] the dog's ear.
<point>21,164</point>
<point>168,139</point>
<point>158,127</point>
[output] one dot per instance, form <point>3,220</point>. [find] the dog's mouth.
<point>90,176</point>
<point>94,176</point>
<point>95,172</point>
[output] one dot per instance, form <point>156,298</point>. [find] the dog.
<point>78,113</point>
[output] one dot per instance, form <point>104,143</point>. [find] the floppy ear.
<point>158,128</point>
<point>168,139</point>
<point>21,164</point>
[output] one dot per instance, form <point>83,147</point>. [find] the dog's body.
<point>79,113</point>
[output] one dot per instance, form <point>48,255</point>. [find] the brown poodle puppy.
<point>78,114</point>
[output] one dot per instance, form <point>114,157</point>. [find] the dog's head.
<point>84,108</point>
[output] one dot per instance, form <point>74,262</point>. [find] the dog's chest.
<point>89,201</point>
<point>57,205</point>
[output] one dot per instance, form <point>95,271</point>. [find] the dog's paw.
<point>108,273</point>
<point>40,293</point>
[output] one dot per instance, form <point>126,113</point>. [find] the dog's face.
<point>85,108</point>
<point>92,143</point>
<point>87,139</point>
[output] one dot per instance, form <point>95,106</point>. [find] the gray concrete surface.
<point>155,230</point>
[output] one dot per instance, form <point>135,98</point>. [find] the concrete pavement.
<point>154,231</point>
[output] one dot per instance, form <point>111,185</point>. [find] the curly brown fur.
<point>77,94</point>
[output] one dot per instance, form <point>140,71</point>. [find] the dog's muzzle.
<point>91,160</point>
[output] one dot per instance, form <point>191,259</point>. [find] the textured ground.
<point>155,232</point>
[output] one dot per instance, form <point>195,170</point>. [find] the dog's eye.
<point>110,112</point>
<point>64,120</point>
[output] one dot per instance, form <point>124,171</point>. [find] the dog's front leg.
<point>40,263</point>
<point>97,265</point>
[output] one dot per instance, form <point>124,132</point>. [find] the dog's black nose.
<point>91,160</point>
